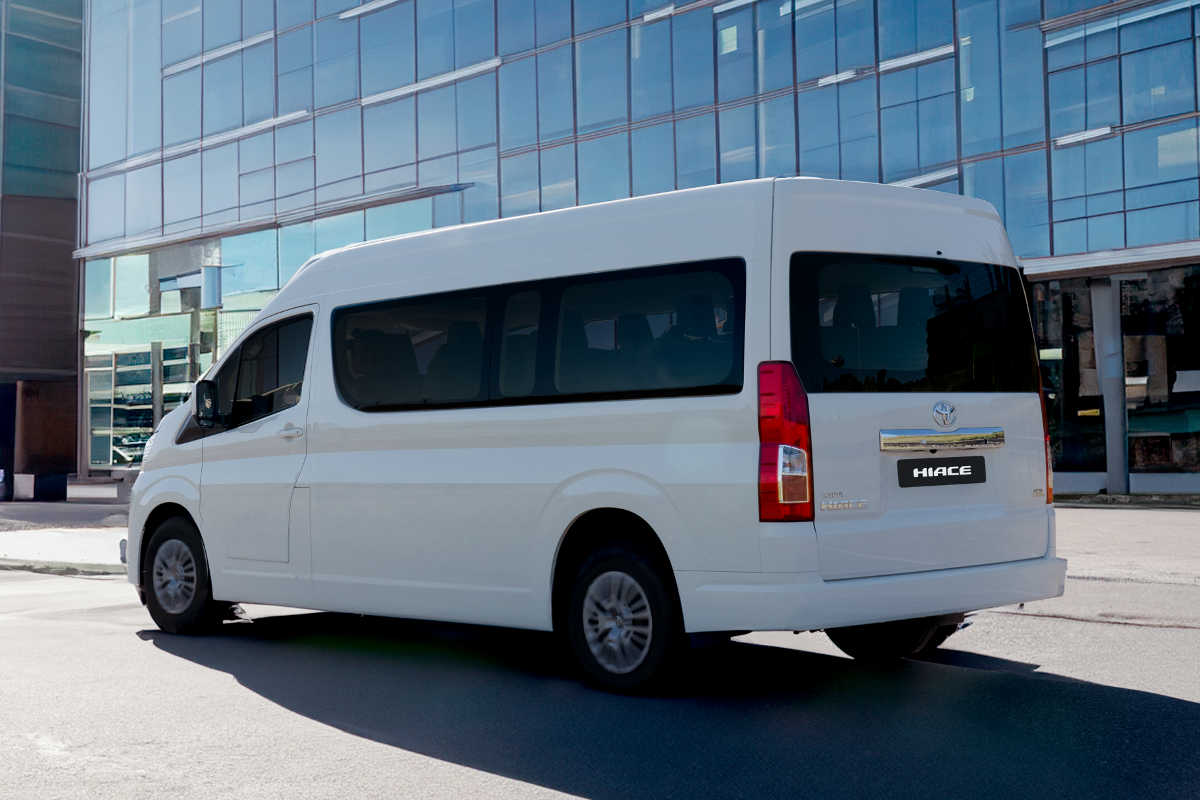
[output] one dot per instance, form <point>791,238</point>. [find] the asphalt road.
<point>94,702</point>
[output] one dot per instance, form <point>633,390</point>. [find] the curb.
<point>65,568</point>
<point>1166,501</point>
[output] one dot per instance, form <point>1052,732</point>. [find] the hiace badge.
<point>940,471</point>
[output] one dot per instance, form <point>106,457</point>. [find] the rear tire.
<point>887,641</point>
<point>176,581</point>
<point>621,621</point>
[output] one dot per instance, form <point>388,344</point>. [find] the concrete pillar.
<point>156,384</point>
<point>1110,363</point>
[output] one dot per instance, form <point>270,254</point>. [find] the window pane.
<point>1021,59</point>
<point>98,289</point>
<point>249,263</point>
<point>518,83</point>
<point>389,134</point>
<point>519,344</point>
<point>435,36</point>
<point>181,201</point>
<point>693,58</point>
<point>477,112</point>
<point>131,279</point>
<point>410,353</point>
<point>292,12</point>
<point>143,200</point>
<point>336,73</point>
<point>1158,29</point>
<point>855,33</point>
<point>295,71</point>
<point>145,86</point>
<point>553,20</point>
<point>257,17</point>
<point>681,329</point>
<point>1068,110</point>
<point>1103,102</point>
<point>558,177</point>
<point>859,150</point>
<point>107,79</point>
<point>258,83</point>
<point>773,34</point>
<point>388,48</point>
<point>106,208</point>
<point>220,178</point>
<point>222,22</point>
<point>293,141</point>
<point>1026,213</point>
<point>735,54</point>
<point>181,107</point>
<point>979,75</point>
<point>592,14</point>
<point>339,146</point>
<point>519,185</point>
<point>515,26</point>
<point>398,218</point>
<point>818,133</point>
<point>181,32</point>
<point>474,32</point>
<point>909,26</point>
<point>777,138</point>
<point>953,326</point>
<point>604,169</point>
<point>270,371</point>
<point>1160,154</point>
<point>1158,82</point>
<point>338,231</point>
<point>653,159</point>
<point>695,152</point>
<point>223,94</point>
<point>650,68</point>
<point>296,245</point>
<point>600,77</point>
<point>481,201</point>
<point>737,136</point>
<point>816,42</point>
<point>555,108</point>
<point>435,121</point>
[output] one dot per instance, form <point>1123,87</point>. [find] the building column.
<point>1110,363</point>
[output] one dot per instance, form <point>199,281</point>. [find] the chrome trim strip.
<point>908,440</point>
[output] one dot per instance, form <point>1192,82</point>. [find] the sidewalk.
<point>73,550</point>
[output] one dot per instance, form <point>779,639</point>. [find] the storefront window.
<point>1062,317</point>
<point>1160,327</point>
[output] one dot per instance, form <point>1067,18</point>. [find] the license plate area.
<point>940,471</point>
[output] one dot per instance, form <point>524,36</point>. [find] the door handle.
<point>290,431</point>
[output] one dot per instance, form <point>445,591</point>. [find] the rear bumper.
<point>721,601</point>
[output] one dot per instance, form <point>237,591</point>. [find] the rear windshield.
<point>898,324</point>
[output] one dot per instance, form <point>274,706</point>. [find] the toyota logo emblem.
<point>944,413</point>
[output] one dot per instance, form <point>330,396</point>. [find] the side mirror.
<point>206,403</point>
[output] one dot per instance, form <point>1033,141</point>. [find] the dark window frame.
<point>550,291</point>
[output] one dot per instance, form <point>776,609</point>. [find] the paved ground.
<point>1093,695</point>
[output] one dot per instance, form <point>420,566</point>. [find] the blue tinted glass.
<point>389,135</point>
<point>474,32</point>
<point>181,107</point>
<point>258,82</point>
<point>985,180</point>
<point>1101,44</point>
<point>936,78</point>
<point>938,135</point>
<point>908,26</point>
<point>773,34</point>
<point>1105,203</point>
<point>1106,232</point>
<point>250,262</point>
<point>1070,237</point>
<point>293,141</point>
<point>818,132</point>
<point>1068,172</point>
<point>555,109</point>
<point>859,140</point>
<point>477,112</point>
<point>1103,103</point>
<point>143,200</point>
<point>295,181</point>
<point>336,75</point>
<point>519,185</point>
<point>640,7</point>
<point>222,22</point>
<point>1158,82</point>
<point>339,146</point>
<point>338,231</point>
<point>650,68</point>
<point>1160,154</point>
<point>1026,211</point>
<point>388,48</point>
<point>558,177</point>
<point>436,122</point>
<point>1103,165</point>
<point>600,78</point>
<point>604,169</point>
<point>1158,29</point>
<point>399,218</point>
<point>257,17</point>
<point>695,152</point>
<point>435,37</point>
<point>737,135</point>
<point>98,288</point>
<point>1065,52</point>
<point>223,94</point>
<point>220,178</point>
<point>777,137</point>
<point>855,33</point>
<point>1024,112</point>
<point>897,87</point>
<point>145,80</point>
<point>256,152</point>
<point>515,24</point>
<point>1068,111</point>
<point>653,159</point>
<point>1162,194</point>
<point>295,50</point>
<point>181,34</point>
<point>481,201</point>
<point>1057,8</point>
<point>106,208</point>
<point>292,12</point>
<point>518,81</point>
<point>553,20</point>
<point>1164,224</point>
<point>693,58</point>
<point>816,43</point>
<point>295,247</point>
<point>735,54</point>
<point>256,187</point>
<point>295,90</point>
<point>592,14</point>
<point>327,7</point>
<point>898,125</point>
<point>181,201</point>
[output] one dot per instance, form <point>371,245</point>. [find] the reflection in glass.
<point>519,185</point>
<point>650,69</point>
<point>695,152</point>
<point>518,86</point>
<point>604,169</point>
<point>600,65</point>
<point>558,177</point>
<point>388,48</point>
<point>653,159</point>
<point>556,117</point>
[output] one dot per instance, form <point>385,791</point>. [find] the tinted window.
<point>266,373</point>
<point>879,324</point>
<point>519,344</point>
<point>410,353</point>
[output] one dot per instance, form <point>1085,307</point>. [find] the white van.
<point>790,404</point>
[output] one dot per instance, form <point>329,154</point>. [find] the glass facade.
<point>229,140</point>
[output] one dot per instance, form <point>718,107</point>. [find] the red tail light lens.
<point>785,489</point>
<point>1049,460</point>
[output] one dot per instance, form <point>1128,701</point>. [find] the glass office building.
<point>226,141</point>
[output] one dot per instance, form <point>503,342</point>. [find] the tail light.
<point>785,489</point>
<point>1049,461</point>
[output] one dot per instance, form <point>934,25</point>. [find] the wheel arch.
<point>160,514</point>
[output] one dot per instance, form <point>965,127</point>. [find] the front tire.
<point>622,621</point>
<point>176,581</point>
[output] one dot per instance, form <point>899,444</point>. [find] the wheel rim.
<point>617,622</point>
<point>174,576</point>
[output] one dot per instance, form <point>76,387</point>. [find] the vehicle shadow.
<point>739,720</point>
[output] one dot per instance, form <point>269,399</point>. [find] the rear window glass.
<point>897,324</point>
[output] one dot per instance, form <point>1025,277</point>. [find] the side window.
<point>266,374</point>
<point>519,344</point>
<point>411,353</point>
<point>667,330</point>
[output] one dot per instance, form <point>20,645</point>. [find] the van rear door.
<point>923,390</point>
